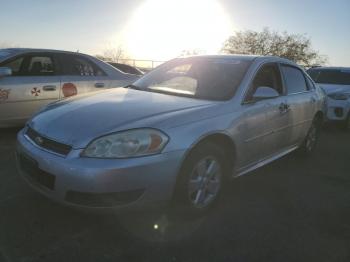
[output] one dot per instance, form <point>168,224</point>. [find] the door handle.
<point>99,85</point>
<point>284,108</point>
<point>49,88</point>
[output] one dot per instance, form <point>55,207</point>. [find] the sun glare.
<point>162,29</point>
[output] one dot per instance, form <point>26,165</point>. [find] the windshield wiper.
<point>133,87</point>
<point>165,92</point>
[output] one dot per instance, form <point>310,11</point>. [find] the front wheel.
<point>200,181</point>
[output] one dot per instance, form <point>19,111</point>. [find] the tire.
<point>347,123</point>
<point>311,139</point>
<point>201,180</point>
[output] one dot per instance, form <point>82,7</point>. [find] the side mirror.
<point>265,92</point>
<point>5,71</point>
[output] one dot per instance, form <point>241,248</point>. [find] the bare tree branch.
<point>7,45</point>
<point>113,54</point>
<point>189,52</point>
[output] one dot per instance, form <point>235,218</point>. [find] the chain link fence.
<point>142,64</point>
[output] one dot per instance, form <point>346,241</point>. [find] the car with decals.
<point>33,78</point>
<point>174,136</point>
<point>335,82</point>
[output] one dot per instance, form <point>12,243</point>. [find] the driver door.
<point>278,117</point>
<point>32,85</point>
<point>271,120</point>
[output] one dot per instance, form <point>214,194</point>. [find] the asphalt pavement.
<point>295,209</point>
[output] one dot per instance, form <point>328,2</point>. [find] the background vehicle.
<point>181,131</point>
<point>32,78</point>
<point>335,81</point>
<point>128,69</point>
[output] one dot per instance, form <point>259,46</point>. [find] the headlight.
<point>131,143</point>
<point>339,96</point>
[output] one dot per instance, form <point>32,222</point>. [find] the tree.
<point>191,52</point>
<point>295,47</point>
<point>113,54</point>
<point>7,45</point>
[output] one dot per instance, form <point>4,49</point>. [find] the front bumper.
<point>88,183</point>
<point>337,110</point>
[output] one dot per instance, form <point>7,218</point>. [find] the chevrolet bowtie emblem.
<point>39,140</point>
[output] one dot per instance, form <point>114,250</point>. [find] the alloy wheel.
<point>348,123</point>
<point>311,138</point>
<point>205,182</point>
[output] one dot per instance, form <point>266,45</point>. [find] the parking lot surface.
<point>295,209</point>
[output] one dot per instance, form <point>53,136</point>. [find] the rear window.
<point>331,76</point>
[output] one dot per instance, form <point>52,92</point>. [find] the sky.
<point>160,29</point>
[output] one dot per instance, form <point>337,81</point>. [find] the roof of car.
<point>224,56</point>
<point>24,50</point>
<point>244,57</point>
<point>330,68</point>
<point>247,57</point>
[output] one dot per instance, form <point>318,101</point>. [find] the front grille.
<point>103,199</point>
<point>47,143</point>
<point>34,173</point>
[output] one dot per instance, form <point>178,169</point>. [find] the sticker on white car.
<point>35,91</point>
<point>69,89</point>
<point>4,94</point>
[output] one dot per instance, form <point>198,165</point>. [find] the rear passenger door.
<point>80,75</point>
<point>34,83</point>
<point>301,99</point>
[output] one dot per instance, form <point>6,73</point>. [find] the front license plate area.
<point>34,173</point>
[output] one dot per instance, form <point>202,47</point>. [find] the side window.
<point>15,65</point>
<point>310,84</point>
<point>75,65</point>
<point>40,66</point>
<point>269,76</point>
<point>31,65</point>
<point>294,79</point>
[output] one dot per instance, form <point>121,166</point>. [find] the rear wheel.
<point>311,138</point>
<point>347,123</point>
<point>201,179</point>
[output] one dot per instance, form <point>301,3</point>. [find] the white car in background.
<point>335,82</point>
<point>33,78</point>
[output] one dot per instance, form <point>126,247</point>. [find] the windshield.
<point>202,78</point>
<point>331,76</point>
<point>5,53</point>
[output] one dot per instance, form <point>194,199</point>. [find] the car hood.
<point>329,89</point>
<point>78,120</point>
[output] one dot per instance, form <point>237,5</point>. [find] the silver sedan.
<point>177,134</point>
<point>32,78</point>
